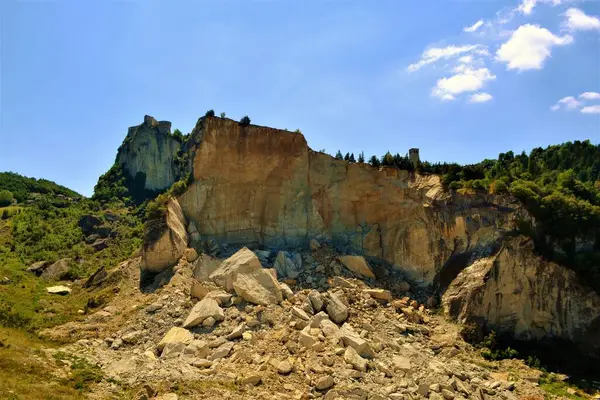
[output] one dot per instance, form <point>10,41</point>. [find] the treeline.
<point>21,187</point>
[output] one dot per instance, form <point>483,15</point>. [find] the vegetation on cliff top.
<point>22,187</point>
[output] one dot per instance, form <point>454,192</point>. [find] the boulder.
<point>176,335</point>
<point>315,300</point>
<point>88,223</point>
<point>324,383</point>
<point>358,265</point>
<point>379,294</point>
<point>337,311</point>
<point>401,363</point>
<point>62,290</point>
<point>100,244</point>
<point>56,270</point>
<point>38,267</point>
<point>286,266</point>
<point>354,359</point>
<point>353,339</point>
<point>242,262</point>
<point>190,255</point>
<point>259,287</point>
<point>286,291</point>
<point>197,348</point>
<point>204,266</point>
<point>165,239</point>
<point>202,310</point>
<point>201,289</point>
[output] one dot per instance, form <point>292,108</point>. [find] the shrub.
<point>498,187</point>
<point>245,120</point>
<point>6,198</point>
<point>210,113</point>
<point>222,115</point>
<point>455,185</point>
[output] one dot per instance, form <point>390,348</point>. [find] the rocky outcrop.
<point>165,240</point>
<point>261,186</point>
<point>149,153</point>
<point>517,292</point>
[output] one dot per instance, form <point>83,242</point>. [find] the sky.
<point>462,80</point>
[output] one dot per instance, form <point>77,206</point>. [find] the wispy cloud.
<point>568,103</point>
<point>577,20</point>
<point>435,54</point>
<point>473,27</point>
<point>529,46</point>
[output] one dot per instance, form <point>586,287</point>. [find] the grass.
<point>562,389</point>
<point>25,374</point>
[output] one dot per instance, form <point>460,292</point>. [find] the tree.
<point>210,113</point>
<point>351,159</point>
<point>374,161</point>
<point>339,156</point>
<point>245,120</point>
<point>222,115</point>
<point>178,135</point>
<point>361,157</point>
<point>6,198</point>
<point>347,157</point>
<point>387,159</point>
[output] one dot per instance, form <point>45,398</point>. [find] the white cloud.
<point>569,102</point>
<point>578,20</point>
<point>473,27</point>
<point>438,53</point>
<point>466,79</point>
<point>466,59</point>
<point>529,46</point>
<point>591,109</point>
<point>480,97</point>
<point>590,96</point>
<point>526,7</point>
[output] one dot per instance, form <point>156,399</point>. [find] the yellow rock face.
<point>257,185</point>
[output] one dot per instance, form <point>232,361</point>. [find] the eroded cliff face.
<point>148,154</point>
<point>262,186</point>
<point>517,292</point>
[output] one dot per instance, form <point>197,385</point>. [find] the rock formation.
<point>518,292</point>
<point>265,188</point>
<point>148,154</point>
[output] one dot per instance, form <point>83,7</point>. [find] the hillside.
<point>385,280</point>
<point>23,188</point>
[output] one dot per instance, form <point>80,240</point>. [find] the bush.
<point>210,113</point>
<point>222,115</point>
<point>498,187</point>
<point>6,198</point>
<point>245,120</point>
<point>455,185</point>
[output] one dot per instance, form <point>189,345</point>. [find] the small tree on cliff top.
<point>245,120</point>
<point>210,113</point>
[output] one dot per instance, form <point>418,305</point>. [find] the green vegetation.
<point>222,115</point>
<point>22,188</point>
<point>210,113</point>
<point>6,198</point>
<point>245,120</point>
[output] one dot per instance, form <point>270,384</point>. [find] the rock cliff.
<point>265,188</point>
<point>516,291</point>
<point>148,154</point>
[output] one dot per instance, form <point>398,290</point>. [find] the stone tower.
<point>413,154</point>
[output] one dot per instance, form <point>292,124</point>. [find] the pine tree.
<point>338,155</point>
<point>352,159</point>
<point>374,161</point>
<point>387,159</point>
<point>361,157</point>
<point>347,157</point>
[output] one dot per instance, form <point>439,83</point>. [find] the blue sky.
<point>352,75</point>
